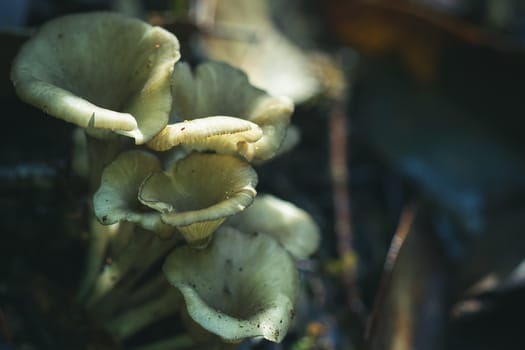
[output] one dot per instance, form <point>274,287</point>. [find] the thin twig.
<point>340,177</point>
<point>343,223</point>
<point>403,229</point>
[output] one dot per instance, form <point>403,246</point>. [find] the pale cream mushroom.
<point>216,109</point>
<point>240,286</point>
<point>115,202</point>
<point>244,34</point>
<point>117,197</point>
<point>199,192</point>
<point>101,71</point>
<point>290,225</point>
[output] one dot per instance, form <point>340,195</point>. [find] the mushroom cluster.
<point>182,193</point>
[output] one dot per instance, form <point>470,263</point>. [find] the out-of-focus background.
<point>411,158</point>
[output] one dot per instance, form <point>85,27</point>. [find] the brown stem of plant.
<point>403,229</point>
<point>342,217</point>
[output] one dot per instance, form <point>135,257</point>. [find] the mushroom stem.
<point>98,242</point>
<point>117,267</point>
<point>124,298</point>
<point>128,323</point>
<point>133,290</point>
<point>152,254</point>
<point>145,291</point>
<point>100,153</point>
<point>126,268</point>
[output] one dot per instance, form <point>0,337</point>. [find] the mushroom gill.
<point>101,71</point>
<point>117,197</point>
<point>199,192</point>
<point>240,286</point>
<point>233,116</point>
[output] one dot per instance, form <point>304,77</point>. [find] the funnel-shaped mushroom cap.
<point>101,71</point>
<point>290,225</point>
<point>240,286</point>
<point>273,62</point>
<point>117,197</point>
<point>199,192</point>
<point>230,115</point>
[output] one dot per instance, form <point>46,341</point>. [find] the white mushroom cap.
<point>117,197</point>
<point>101,71</point>
<point>230,115</point>
<point>199,192</point>
<point>290,225</point>
<point>240,286</point>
